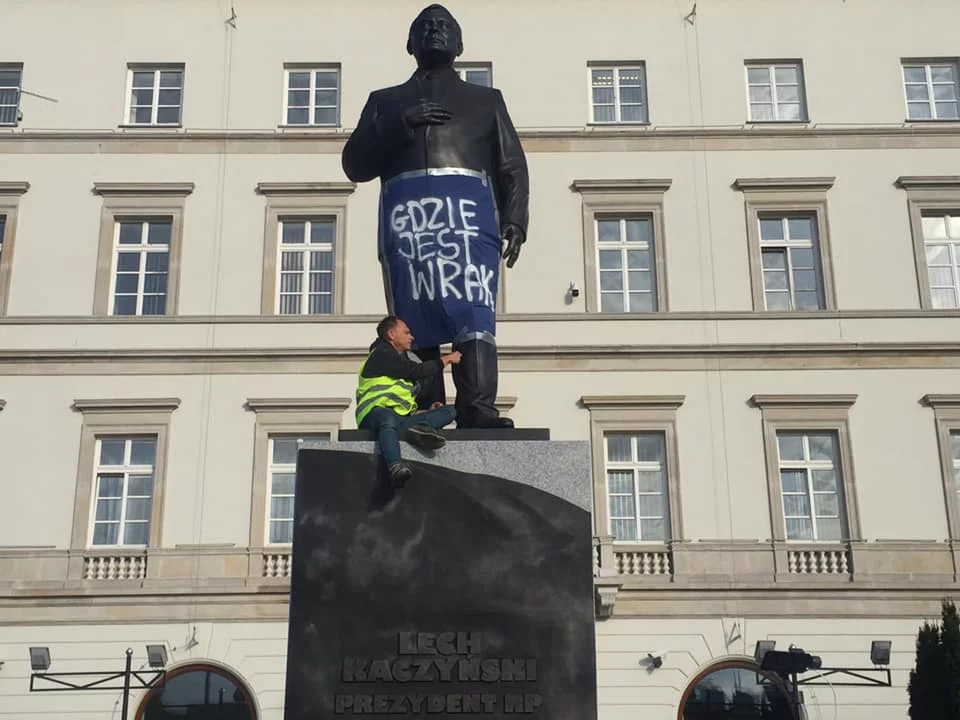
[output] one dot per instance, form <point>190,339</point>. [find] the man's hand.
<point>451,359</point>
<point>513,239</point>
<point>426,112</point>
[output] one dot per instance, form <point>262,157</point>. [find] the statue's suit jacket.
<point>479,136</point>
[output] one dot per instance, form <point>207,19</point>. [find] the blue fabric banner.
<point>440,249</point>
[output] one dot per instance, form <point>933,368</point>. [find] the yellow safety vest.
<point>383,391</point>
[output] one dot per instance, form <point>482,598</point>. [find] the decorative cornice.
<point>180,189</point>
<point>305,188</point>
<point>771,401</point>
<point>127,405</point>
<point>928,182</point>
<point>784,184</point>
<point>936,401</point>
<point>622,185</point>
<point>14,188</point>
<point>618,402</point>
<point>258,405</point>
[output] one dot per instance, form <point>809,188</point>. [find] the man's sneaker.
<point>399,474</point>
<point>425,438</point>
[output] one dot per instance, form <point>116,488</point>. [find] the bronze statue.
<point>454,195</point>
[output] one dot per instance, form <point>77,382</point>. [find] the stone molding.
<point>617,402</point>
<point>259,405</point>
<point>126,405</point>
<point>14,188</point>
<point>784,184</point>
<point>152,189</point>
<point>622,185</point>
<point>305,188</point>
<point>928,182</point>
<point>802,401</point>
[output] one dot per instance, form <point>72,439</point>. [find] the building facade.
<point>741,284</point>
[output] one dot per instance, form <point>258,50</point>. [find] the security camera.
<point>574,290</point>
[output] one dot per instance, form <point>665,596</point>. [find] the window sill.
<point>789,123</point>
<point>932,121</point>
<point>151,127</point>
<point>633,124</point>
<point>311,128</point>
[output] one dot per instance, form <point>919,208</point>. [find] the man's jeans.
<point>387,427</point>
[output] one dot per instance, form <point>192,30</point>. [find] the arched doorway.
<point>736,690</point>
<point>199,692</point>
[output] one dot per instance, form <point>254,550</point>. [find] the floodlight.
<point>157,656</point>
<point>880,652</point>
<point>794,660</point>
<point>762,648</point>
<point>39,658</point>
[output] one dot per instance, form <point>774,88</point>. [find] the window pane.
<point>638,230</point>
<point>799,529</point>
<point>125,305</point>
<point>621,506</point>
<point>620,482</point>
<point>796,506</point>
<point>800,228</point>
<point>326,116</point>
<point>108,510</point>
<point>611,302</point>
<point>608,231</point>
<point>171,79</point>
<point>143,451</point>
<point>298,79</point>
<point>774,260</point>
<point>650,506</point>
<point>281,531</point>
<point>955,437</point>
<point>650,481</point>
<point>638,259</point>
<point>136,533</point>
<point>640,281</point>
<point>619,448</point>
<point>105,534</point>
<point>283,484</point>
<point>829,529</point>
<point>757,75</point>
<point>917,92</point>
<point>111,451</point>
<point>623,529</point>
<point>761,94</point>
<point>793,481</point>
<point>650,447</point>
<point>918,111</point>
<point>126,284</point>
<point>168,116</point>
<point>130,233</point>
<point>821,447</point>
<point>826,505</point>
<point>914,74</point>
<point>653,530</point>
<point>942,73</point>
<point>602,77</point>
<point>298,116</point>
<point>611,280</point>
<point>771,229</point>
<point>786,74</point>
<point>140,485</point>
<point>321,232</point>
<point>790,445</point>
<point>824,481</point>
<point>805,280</point>
<point>169,97</point>
<point>285,451</point>
<point>775,279</point>
<point>632,113</point>
<point>293,232</point>
<point>326,98</point>
<point>138,509</point>
<point>788,94</point>
<point>281,507</point>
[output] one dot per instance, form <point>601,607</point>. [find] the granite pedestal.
<point>469,592</point>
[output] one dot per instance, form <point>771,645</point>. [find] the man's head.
<point>394,331</point>
<point>435,38</point>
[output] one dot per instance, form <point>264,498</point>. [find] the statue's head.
<point>435,38</point>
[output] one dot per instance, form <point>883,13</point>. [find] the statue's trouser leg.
<point>476,380</point>
<point>433,389</point>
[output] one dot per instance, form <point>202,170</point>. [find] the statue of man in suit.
<point>454,195</point>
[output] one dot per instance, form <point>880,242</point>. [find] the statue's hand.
<point>425,112</point>
<point>513,239</point>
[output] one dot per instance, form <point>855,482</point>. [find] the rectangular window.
<point>932,90</point>
<point>618,94</point>
<point>305,266</point>
<point>789,257</point>
<point>478,74</point>
<point>626,265</point>
<point>312,96</point>
<point>941,242</point>
<point>955,448</point>
<point>3,229</point>
<point>282,473</point>
<point>154,95</point>
<point>10,86</point>
<point>811,485</point>
<point>141,266</point>
<point>637,486</point>
<point>123,501</point>
<point>775,92</point>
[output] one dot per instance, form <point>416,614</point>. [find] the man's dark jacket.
<point>385,361</point>
<point>479,136</point>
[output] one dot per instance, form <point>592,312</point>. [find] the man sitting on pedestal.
<point>389,383</point>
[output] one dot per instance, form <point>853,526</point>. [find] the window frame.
<point>800,195</point>
<point>282,416</point>
<point>946,415</point>
<point>138,200</point>
<point>808,413</point>
<point>155,68</point>
<point>311,67</point>
<point>802,89</point>
<point>925,193</point>
<point>461,69</point>
<point>635,414</point>
<point>306,248</point>
<point>97,442</point>
<point>133,416</point>
<point>628,198</point>
<point>10,194</point>
<point>15,67</point>
<point>320,199</point>
<point>616,66</point>
<point>925,61</point>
